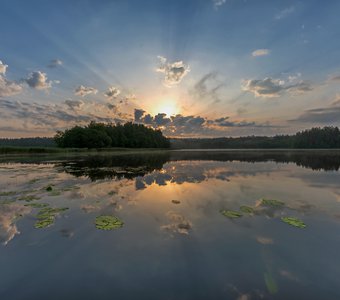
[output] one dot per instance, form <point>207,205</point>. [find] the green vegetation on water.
<point>246,209</point>
<point>232,214</point>
<point>271,202</point>
<point>108,223</point>
<point>47,215</point>
<point>294,222</point>
<point>37,205</point>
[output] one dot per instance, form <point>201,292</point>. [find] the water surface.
<point>175,243</point>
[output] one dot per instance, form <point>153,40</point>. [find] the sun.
<point>167,107</point>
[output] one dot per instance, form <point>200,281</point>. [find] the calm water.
<point>175,243</point>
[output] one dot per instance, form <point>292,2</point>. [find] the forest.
<point>100,135</point>
<point>129,135</point>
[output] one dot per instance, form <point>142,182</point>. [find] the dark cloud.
<point>74,104</point>
<point>271,88</point>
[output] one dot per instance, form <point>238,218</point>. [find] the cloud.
<point>38,80</point>
<point>335,78</point>
<point>3,67</point>
<point>270,88</point>
<point>207,88</point>
<point>9,88</point>
<point>179,125</point>
<point>260,52</point>
<point>324,115</point>
<point>85,90</point>
<point>112,93</point>
<point>285,13</point>
<point>74,104</point>
<point>218,3</point>
<point>173,72</point>
<point>55,63</point>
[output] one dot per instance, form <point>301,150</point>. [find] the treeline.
<point>28,142</point>
<point>315,138</point>
<point>100,135</point>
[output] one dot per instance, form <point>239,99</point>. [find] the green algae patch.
<point>271,202</point>
<point>232,214</point>
<point>37,205</point>
<point>247,209</point>
<point>270,283</point>
<point>29,198</point>
<point>108,223</point>
<point>294,222</point>
<point>46,216</point>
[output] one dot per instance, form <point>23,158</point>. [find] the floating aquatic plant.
<point>294,222</point>
<point>246,209</point>
<point>231,214</point>
<point>272,202</point>
<point>10,193</point>
<point>55,193</point>
<point>108,223</point>
<point>47,215</point>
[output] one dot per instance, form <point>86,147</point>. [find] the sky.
<point>192,68</point>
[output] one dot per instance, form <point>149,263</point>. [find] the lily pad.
<point>232,214</point>
<point>272,202</point>
<point>294,222</point>
<point>108,223</point>
<point>47,215</point>
<point>246,209</point>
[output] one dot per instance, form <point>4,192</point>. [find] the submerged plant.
<point>246,209</point>
<point>270,283</point>
<point>294,222</point>
<point>10,193</point>
<point>108,223</point>
<point>231,213</point>
<point>271,202</point>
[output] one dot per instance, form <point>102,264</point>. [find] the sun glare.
<point>167,107</point>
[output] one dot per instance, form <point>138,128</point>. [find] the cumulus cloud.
<point>112,93</point>
<point>55,63</point>
<point>85,90</point>
<point>270,88</point>
<point>38,80</point>
<point>3,67</point>
<point>285,13</point>
<point>260,52</point>
<point>9,88</point>
<point>173,72</point>
<point>74,104</point>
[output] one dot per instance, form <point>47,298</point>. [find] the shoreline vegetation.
<point>130,137</point>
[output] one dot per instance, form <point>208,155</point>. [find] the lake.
<point>190,225</point>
